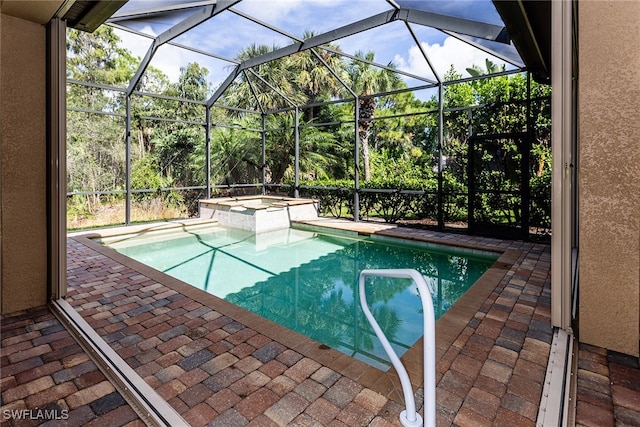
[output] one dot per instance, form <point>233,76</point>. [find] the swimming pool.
<point>306,280</point>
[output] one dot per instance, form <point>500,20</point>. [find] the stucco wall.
<point>609,174</point>
<point>23,164</point>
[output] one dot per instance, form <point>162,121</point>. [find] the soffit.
<point>86,15</point>
<point>529,25</point>
<point>38,11</point>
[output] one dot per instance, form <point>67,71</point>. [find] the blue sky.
<point>226,34</point>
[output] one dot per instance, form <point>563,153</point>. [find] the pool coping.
<point>448,328</point>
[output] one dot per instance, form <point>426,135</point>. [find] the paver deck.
<point>217,364</point>
<point>608,389</point>
<point>47,379</point>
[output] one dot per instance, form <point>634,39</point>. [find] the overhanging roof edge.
<point>529,25</point>
<point>88,15</point>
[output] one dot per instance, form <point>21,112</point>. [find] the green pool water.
<point>307,280</point>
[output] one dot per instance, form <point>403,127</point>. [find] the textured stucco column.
<point>609,173</point>
<point>23,195</point>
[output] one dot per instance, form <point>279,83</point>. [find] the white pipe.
<point>409,417</point>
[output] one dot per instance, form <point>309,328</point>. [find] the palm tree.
<point>366,80</point>
<point>249,91</point>
<point>234,157</point>
<point>492,68</point>
<point>318,150</point>
<point>313,78</point>
<point>301,78</point>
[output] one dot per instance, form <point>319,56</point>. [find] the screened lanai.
<point>412,112</point>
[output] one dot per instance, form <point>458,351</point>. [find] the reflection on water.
<point>308,281</point>
<point>319,299</point>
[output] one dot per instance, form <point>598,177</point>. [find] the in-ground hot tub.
<point>258,213</point>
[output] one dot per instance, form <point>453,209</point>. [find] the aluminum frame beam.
<point>155,11</point>
<point>270,86</point>
<point>180,45</point>
<point>378,65</point>
<point>434,20</point>
<point>422,51</point>
<point>56,164</point>
<point>468,27</point>
<point>177,30</point>
<point>264,24</point>
<point>485,49</point>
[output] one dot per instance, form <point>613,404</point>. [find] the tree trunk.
<point>364,142</point>
<point>541,165</point>
<point>367,109</point>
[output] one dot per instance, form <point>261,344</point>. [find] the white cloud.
<point>451,52</point>
<point>286,9</point>
<point>270,14</point>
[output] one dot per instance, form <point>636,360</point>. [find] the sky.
<point>227,33</point>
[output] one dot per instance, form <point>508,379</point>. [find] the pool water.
<point>307,281</point>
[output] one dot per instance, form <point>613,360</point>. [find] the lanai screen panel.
<point>247,47</point>
<point>317,17</point>
<point>418,39</point>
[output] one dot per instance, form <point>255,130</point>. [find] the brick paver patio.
<point>47,379</point>
<point>608,388</point>
<point>219,365</point>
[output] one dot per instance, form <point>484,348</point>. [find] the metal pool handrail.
<point>409,417</point>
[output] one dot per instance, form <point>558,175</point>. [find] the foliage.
<point>336,196</point>
<point>398,136</point>
<point>95,145</point>
<point>234,158</point>
<point>491,68</point>
<point>254,90</point>
<point>96,58</point>
<point>365,80</point>
<point>541,201</point>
